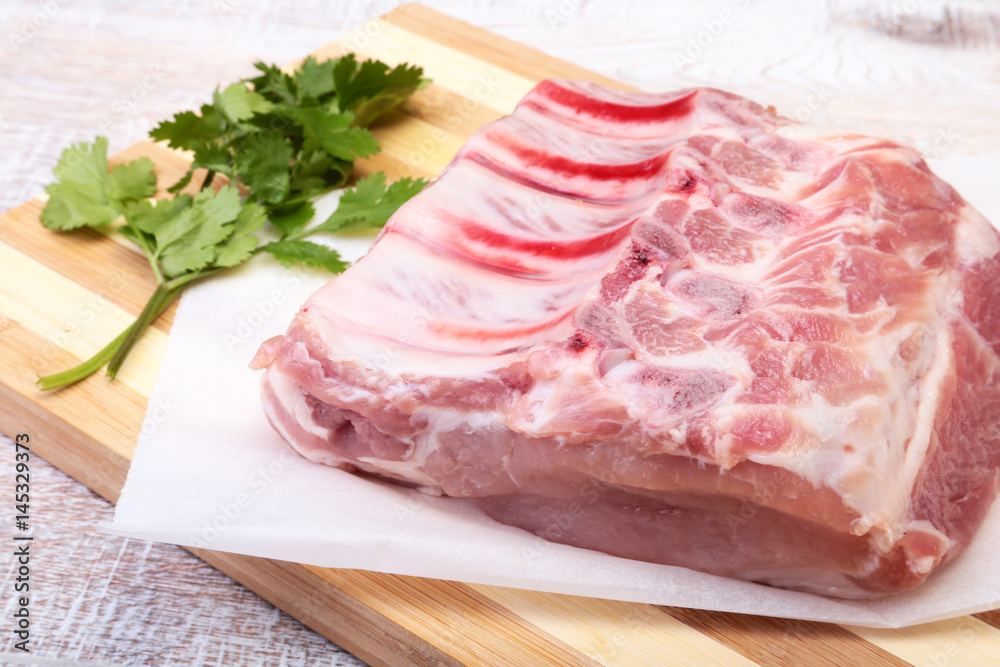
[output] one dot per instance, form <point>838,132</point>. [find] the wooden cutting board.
<point>63,296</point>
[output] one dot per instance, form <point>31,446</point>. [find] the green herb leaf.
<point>307,252</point>
<point>86,195</point>
<point>262,160</point>
<point>237,103</point>
<point>371,88</point>
<point>332,131</point>
<point>294,219</point>
<point>316,170</point>
<point>211,155</point>
<point>370,203</point>
<point>242,243</point>
<point>149,217</point>
<point>182,183</point>
<point>314,79</point>
<point>274,84</point>
<point>187,242</point>
<point>133,180</point>
<point>288,139</point>
<point>187,127</point>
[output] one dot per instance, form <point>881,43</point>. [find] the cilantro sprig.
<point>281,139</point>
<point>87,195</point>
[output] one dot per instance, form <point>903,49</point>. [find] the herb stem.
<point>162,297</point>
<point>302,233</point>
<point>83,370</point>
<point>208,179</point>
<point>306,196</point>
<point>140,240</point>
<point>92,365</point>
<point>158,302</point>
<point>296,236</point>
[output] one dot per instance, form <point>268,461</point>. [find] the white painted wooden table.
<point>71,69</point>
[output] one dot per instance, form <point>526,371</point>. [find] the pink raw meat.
<point>675,328</point>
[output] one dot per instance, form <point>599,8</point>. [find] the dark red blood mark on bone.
<point>631,268</point>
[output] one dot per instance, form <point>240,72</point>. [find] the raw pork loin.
<point>676,329</point>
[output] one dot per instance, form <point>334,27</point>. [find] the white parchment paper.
<point>210,472</point>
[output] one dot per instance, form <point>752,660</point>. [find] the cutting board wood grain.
<point>63,296</point>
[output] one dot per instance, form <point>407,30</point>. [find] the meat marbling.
<point>675,328</point>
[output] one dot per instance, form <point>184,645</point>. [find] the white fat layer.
<point>293,400</point>
<point>393,357</point>
<point>930,401</point>
<point>710,358</point>
<point>288,393</point>
<point>751,273</point>
<point>975,237</point>
<point>441,420</point>
<point>270,409</point>
<point>926,564</point>
<point>890,431</point>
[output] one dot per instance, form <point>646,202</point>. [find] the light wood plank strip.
<point>957,642</point>
<point>123,277</point>
<point>468,626</point>
<point>71,318</point>
<point>421,137</point>
<point>461,73</point>
<point>453,113</point>
<point>416,145</point>
<point>393,167</point>
<point>434,104</point>
<point>783,641</point>
<point>89,431</point>
<point>615,633</point>
<point>483,45</point>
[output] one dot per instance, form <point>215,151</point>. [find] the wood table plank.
<point>960,642</point>
<point>783,641</point>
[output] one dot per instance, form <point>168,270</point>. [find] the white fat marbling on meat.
<point>606,276</point>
